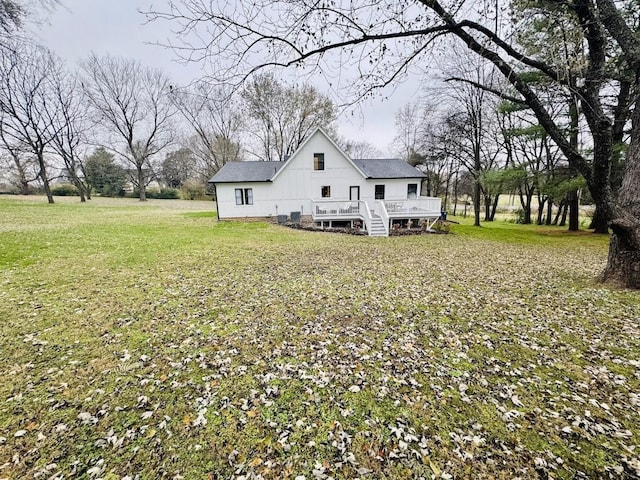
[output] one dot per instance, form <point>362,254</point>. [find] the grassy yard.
<point>145,341</point>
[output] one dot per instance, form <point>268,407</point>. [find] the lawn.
<point>145,341</point>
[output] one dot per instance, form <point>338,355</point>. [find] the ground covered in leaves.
<point>149,341</point>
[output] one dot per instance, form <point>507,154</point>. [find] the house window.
<point>318,161</point>
<point>244,196</point>
<point>379,193</point>
<point>412,190</point>
<point>326,191</point>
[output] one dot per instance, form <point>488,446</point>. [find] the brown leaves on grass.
<point>284,354</point>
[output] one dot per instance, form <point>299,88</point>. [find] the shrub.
<point>64,190</point>
<point>109,190</point>
<point>105,176</point>
<point>135,193</point>
<point>168,193</point>
<point>519,216</point>
<point>192,190</point>
<point>163,193</point>
<point>441,226</point>
<point>6,189</point>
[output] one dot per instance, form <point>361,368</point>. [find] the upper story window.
<point>318,161</point>
<point>325,191</point>
<point>244,196</point>
<point>379,192</point>
<point>412,190</point>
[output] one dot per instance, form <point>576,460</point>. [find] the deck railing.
<point>417,206</point>
<point>394,208</point>
<point>333,208</point>
<point>342,209</point>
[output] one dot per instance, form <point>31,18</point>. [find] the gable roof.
<point>330,140</point>
<point>387,168</point>
<point>234,172</point>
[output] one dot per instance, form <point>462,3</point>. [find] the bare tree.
<point>419,128</point>
<point>282,117</point>
<point>449,159</point>
<point>216,122</point>
<point>132,106</point>
<point>71,126</point>
<point>28,109</point>
<point>359,148</point>
<point>478,129</point>
<point>412,128</point>
<point>19,163</point>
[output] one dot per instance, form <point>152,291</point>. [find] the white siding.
<point>298,183</point>
<point>395,188</point>
<point>226,198</point>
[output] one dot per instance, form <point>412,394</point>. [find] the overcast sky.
<point>115,27</point>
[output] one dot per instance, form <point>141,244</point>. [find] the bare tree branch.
<point>489,89</point>
<point>131,103</point>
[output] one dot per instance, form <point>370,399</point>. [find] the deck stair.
<point>377,227</point>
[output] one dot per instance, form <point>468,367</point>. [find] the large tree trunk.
<point>446,197</point>
<point>574,211</point>
<point>565,210</point>
<point>24,187</point>
<point>455,195</point>
<point>22,182</point>
<point>525,203</point>
<point>526,212</point>
<point>476,202</point>
<point>599,184</point>
<point>623,264</point>
<point>142,184</point>
<point>490,205</point>
<point>487,208</point>
<point>79,186</point>
<point>541,202</point>
<point>44,178</point>
<point>561,208</point>
<point>494,207</point>
<point>602,213</point>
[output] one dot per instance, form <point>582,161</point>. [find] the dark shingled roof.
<point>234,172</point>
<point>387,168</point>
<point>246,172</point>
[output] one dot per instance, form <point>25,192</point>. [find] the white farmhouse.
<point>320,183</point>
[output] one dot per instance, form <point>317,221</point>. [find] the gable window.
<point>318,161</point>
<point>326,191</point>
<point>379,192</point>
<point>412,190</point>
<point>244,196</point>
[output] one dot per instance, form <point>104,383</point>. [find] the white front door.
<point>354,193</point>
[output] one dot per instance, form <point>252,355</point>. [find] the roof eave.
<point>395,178</point>
<point>240,181</point>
